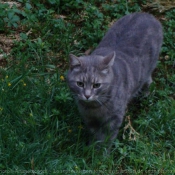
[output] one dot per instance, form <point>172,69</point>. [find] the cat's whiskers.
<point>98,102</point>
<point>102,104</point>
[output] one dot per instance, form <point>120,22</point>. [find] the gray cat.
<point>104,82</point>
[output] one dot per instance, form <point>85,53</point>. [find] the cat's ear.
<point>108,60</point>
<point>74,60</point>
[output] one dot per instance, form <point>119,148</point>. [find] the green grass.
<point>41,131</point>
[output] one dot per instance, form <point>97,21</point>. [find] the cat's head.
<point>90,77</point>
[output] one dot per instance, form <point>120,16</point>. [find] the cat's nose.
<point>87,96</point>
<point>87,93</point>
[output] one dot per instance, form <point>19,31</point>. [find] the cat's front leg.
<point>103,140</point>
<point>107,131</point>
<point>98,135</point>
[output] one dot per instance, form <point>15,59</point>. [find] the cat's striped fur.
<point>104,82</point>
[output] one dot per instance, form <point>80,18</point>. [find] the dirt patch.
<point>160,5</point>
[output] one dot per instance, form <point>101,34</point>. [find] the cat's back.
<point>133,29</point>
<point>136,22</point>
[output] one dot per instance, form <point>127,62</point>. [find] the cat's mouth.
<point>87,100</point>
<point>89,103</point>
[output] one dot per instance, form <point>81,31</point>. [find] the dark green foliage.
<point>8,17</point>
<point>40,127</point>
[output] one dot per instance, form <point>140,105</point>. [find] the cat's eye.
<point>80,84</point>
<point>96,85</point>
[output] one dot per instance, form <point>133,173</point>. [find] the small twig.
<point>132,133</point>
<point>29,32</point>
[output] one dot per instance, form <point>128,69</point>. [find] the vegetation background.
<point>41,131</point>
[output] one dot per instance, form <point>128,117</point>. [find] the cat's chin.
<point>89,103</point>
